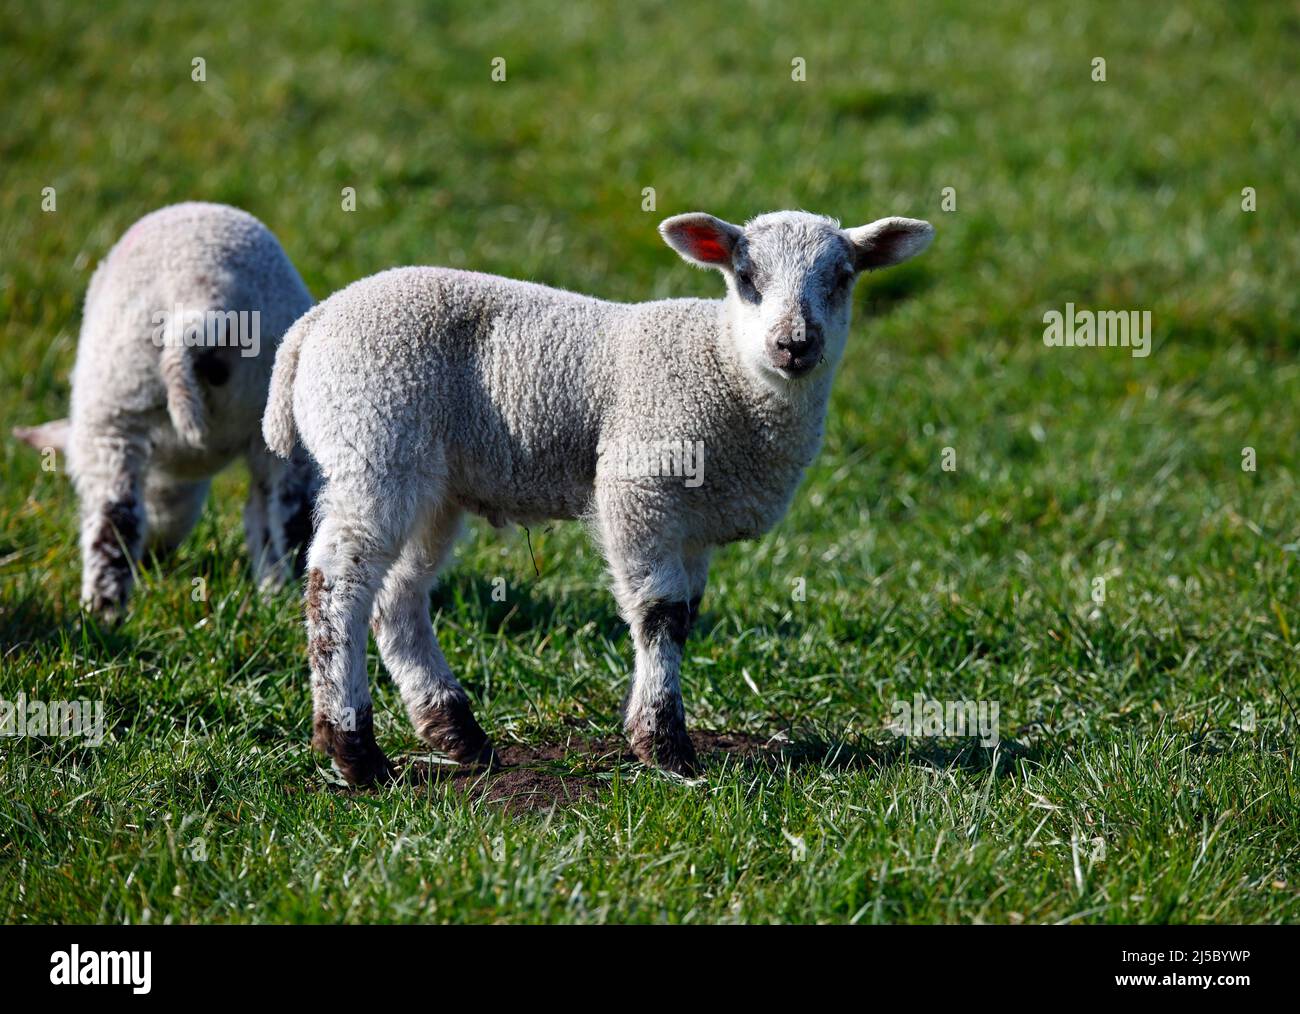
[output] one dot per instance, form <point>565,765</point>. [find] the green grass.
<point>1125,788</point>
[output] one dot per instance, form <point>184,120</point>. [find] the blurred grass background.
<point>1071,464</point>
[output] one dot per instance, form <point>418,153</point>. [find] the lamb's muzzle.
<point>426,393</point>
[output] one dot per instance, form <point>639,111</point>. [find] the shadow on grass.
<point>463,596</point>
<point>33,620</point>
<point>32,623</point>
<point>555,776</point>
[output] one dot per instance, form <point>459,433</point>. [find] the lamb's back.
<point>195,256</point>
<point>503,383</point>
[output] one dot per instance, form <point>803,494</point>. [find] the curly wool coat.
<point>157,411</point>
<point>425,393</point>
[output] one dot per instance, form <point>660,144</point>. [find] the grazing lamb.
<point>423,393</point>
<point>181,324</point>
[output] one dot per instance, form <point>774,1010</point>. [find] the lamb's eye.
<point>745,282</point>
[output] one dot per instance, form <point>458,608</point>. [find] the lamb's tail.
<point>278,429</point>
<point>184,398</point>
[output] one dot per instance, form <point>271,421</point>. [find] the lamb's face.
<point>790,280</point>
<point>789,284</point>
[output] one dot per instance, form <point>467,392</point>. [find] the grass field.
<point>1147,769</point>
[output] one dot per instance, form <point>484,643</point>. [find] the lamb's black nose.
<point>800,341</point>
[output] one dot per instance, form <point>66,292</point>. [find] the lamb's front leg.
<point>654,594</point>
<point>109,468</point>
<point>655,717</point>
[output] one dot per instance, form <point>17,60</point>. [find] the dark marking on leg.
<point>321,644</point>
<point>658,736</point>
<point>353,751</point>
<point>667,619</point>
<point>450,728</point>
<point>660,740</point>
<point>118,532</point>
<point>315,588</point>
<point>320,649</point>
<point>112,552</point>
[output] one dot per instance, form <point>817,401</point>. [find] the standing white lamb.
<point>423,393</point>
<point>181,324</point>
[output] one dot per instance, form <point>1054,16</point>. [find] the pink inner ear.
<point>705,245</point>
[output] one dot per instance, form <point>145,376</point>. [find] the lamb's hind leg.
<point>437,704</point>
<point>355,544</point>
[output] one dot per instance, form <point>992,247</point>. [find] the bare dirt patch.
<point>538,777</point>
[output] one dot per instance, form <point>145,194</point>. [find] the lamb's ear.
<point>51,434</point>
<point>701,239</point>
<point>888,241</point>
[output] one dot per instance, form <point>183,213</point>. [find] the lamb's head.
<point>790,278</point>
